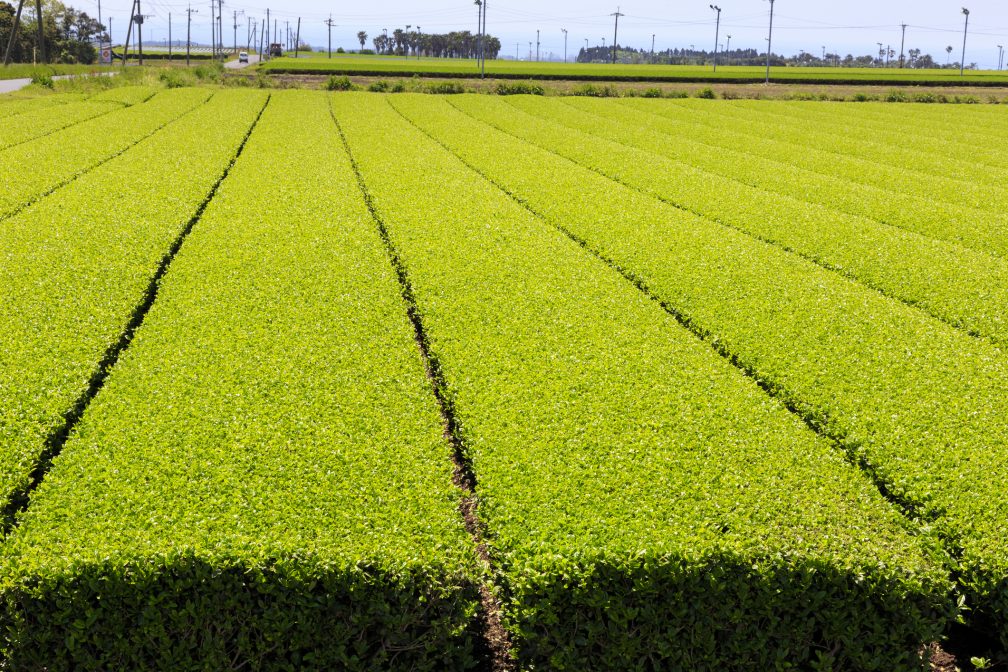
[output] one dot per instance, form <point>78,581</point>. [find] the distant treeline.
<point>67,34</point>
<point>913,58</point>
<point>456,44</point>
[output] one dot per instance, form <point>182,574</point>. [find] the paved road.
<point>9,85</point>
<point>235,65</point>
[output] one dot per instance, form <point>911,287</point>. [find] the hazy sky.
<point>842,26</point>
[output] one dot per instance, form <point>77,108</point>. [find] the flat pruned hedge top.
<point>647,506</point>
<point>921,404</point>
<point>263,482</point>
<point>78,264</point>
<point>39,166</point>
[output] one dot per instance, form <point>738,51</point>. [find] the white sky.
<point>842,26</point>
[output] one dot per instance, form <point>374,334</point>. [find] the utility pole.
<point>1000,56</point>
<point>297,38</point>
<point>139,21</point>
<point>728,47</point>
<point>769,44</point>
<point>879,52</point>
<point>41,36</point>
<point>213,27</point>
<point>479,29</point>
<point>14,30</point>
<point>330,24</point>
<point>287,36</point>
<point>262,36</point>
<point>902,43</point>
<point>962,63</point>
<point>418,34</point>
<point>129,31</point>
<point>235,14</point>
<point>717,31</point>
<point>188,34</point>
<point>220,26</point>
<point>537,46</point>
<point>615,33</point>
<point>483,48</point>
<point>565,43</point>
<point>169,37</point>
<point>652,49</point>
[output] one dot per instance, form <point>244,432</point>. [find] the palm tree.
<point>362,38</point>
<point>948,50</point>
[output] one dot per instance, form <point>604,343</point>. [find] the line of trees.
<point>913,58</point>
<point>68,33</point>
<point>456,44</point>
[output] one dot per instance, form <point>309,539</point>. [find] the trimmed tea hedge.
<point>921,405</point>
<point>263,482</point>
<point>961,286</point>
<point>646,505</point>
<point>77,266</point>
<point>35,168</point>
<point>728,146</point>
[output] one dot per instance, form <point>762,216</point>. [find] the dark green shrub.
<point>42,79</point>
<point>380,86</point>
<point>217,614</point>
<point>706,93</point>
<point>519,88</point>
<point>653,92</point>
<point>446,88</point>
<point>338,83</point>
<point>175,78</point>
<point>595,91</point>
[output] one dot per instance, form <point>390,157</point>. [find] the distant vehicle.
<point>276,49</point>
<point>243,57</point>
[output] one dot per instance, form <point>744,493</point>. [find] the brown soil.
<point>941,660</point>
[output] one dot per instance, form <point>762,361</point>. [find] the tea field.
<point>400,66</point>
<point>300,380</point>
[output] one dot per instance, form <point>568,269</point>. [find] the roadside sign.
<point>106,54</point>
